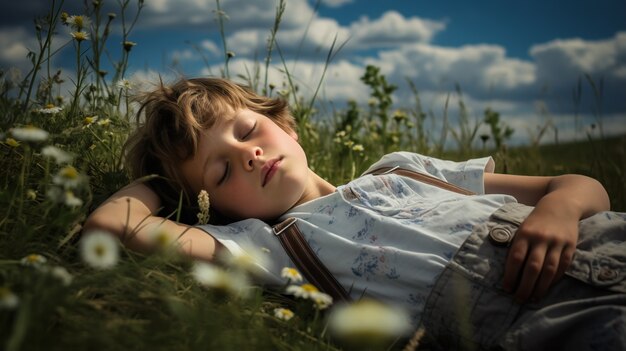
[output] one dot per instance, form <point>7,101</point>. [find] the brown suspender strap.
<point>307,261</point>
<point>422,177</point>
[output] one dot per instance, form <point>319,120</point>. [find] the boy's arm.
<point>546,241</point>
<point>129,215</point>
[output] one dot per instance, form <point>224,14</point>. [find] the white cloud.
<point>392,28</point>
<point>15,43</point>
<point>573,57</point>
<point>336,3</point>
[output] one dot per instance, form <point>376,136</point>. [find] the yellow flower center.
<point>99,250</point>
<point>50,106</point>
<point>32,258</point>
<point>69,172</point>
<point>309,288</point>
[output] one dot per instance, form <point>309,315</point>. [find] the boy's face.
<point>250,167</point>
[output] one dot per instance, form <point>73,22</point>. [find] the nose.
<point>251,155</point>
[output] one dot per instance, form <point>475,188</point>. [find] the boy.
<point>213,135</point>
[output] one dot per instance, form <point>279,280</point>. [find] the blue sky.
<point>522,59</point>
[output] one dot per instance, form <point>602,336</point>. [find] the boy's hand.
<point>540,253</point>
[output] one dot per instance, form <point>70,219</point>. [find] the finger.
<point>548,271</point>
<point>514,261</point>
<point>567,255</point>
<point>532,269</point>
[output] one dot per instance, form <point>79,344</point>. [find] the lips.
<point>269,169</point>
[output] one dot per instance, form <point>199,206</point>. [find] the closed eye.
<point>249,132</point>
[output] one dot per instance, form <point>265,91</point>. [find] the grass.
<point>153,301</point>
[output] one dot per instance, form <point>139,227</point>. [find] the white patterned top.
<point>386,237</point>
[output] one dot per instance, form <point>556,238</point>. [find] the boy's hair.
<point>174,118</point>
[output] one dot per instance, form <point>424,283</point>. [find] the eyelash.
<point>227,170</point>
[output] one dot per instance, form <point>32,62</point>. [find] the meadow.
<point>62,154</point>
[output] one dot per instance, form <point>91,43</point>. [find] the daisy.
<point>57,154</point>
<point>322,300</point>
<point>368,319</point>
<point>78,22</point>
<point>358,148</point>
<point>68,177</point>
<point>89,120</point>
<point>62,274</point>
<point>29,133</point>
<point>80,36</point>
<point>305,291</point>
<point>128,45</point>
<point>33,260</point>
<point>160,237</point>
<point>124,84</point>
<point>71,200</point>
<point>248,259</point>
<point>217,278</point>
<point>99,249</point>
<point>283,313</point>
<point>292,274</point>
<point>8,299</point>
<point>50,109</point>
<point>104,122</point>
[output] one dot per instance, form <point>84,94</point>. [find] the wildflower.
<point>62,274</point>
<point>68,177</point>
<point>372,102</point>
<point>160,237</point>
<point>128,45</point>
<point>12,142</point>
<point>322,300</point>
<point>283,313</point>
<point>367,319</point>
<point>230,54</point>
<point>78,22</point>
<point>292,274</point>
<point>29,133</point>
<point>204,205</point>
<point>111,16</point>
<point>305,291</point>
<point>217,278</point>
<point>399,115</point>
<point>358,148</point>
<point>99,249</point>
<point>57,154</point>
<point>104,122</point>
<point>50,109</point>
<point>71,200</point>
<point>89,120</point>
<point>31,194</point>
<point>33,260</point>
<point>248,259</point>
<point>8,300</point>
<point>64,17</point>
<point>80,36</point>
<point>124,84</point>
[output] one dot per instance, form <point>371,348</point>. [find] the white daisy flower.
<point>368,319</point>
<point>124,84</point>
<point>68,177</point>
<point>71,200</point>
<point>33,260</point>
<point>160,237</point>
<point>322,300</point>
<point>283,313</point>
<point>78,21</point>
<point>50,109</point>
<point>62,274</point>
<point>248,259</point>
<point>305,291</point>
<point>80,36</point>
<point>8,300</point>
<point>99,249</point>
<point>29,133</point>
<point>217,278</point>
<point>57,154</point>
<point>104,122</point>
<point>292,274</point>
<point>89,120</point>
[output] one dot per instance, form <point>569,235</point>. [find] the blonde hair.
<point>174,118</point>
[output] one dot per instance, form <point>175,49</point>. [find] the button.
<point>607,274</point>
<point>500,236</point>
